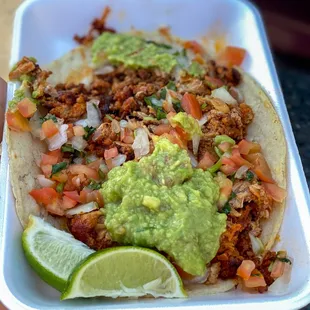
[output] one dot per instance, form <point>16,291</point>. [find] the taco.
<point>144,139</point>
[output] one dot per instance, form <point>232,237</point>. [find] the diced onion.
<point>92,158</point>
<point>193,159</point>
<point>203,120</point>
<point>141,144</point>
<point>104,70</point>
<point>123,123</point>
<point>103,168</point>
<point>78,160</point>
<point>280,285</point>
<point>93,113</point>
<point>58,140</point>
<point>116,126</point>
<point>198,279</point>
<point>257,245</point>
<point>44,182</point>
<point>78,143</point>
<point>223,94</point>
<point>196,141</point>
<point>118,160</point>
<point>35,125</point>
<point>81,122</point>
<point>241,171</point>
<point>85,208</point>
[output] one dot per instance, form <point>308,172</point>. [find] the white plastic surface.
<point>44,29</point>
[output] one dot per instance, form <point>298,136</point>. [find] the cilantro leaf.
<point>58,167</point>
<point>94,185</point>
<point>67,149</point>
<point>89,131</point>
<point>249,175</point>
<point>285,260</point>
<point>47,117</point>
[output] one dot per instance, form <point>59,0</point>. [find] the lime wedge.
<point>124,272</point>
<point>52,253</point>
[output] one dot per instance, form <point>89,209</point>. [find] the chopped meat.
<point>89,229</point>
<point>70,112</point>
<point>230,124</point>
<point>230,76</point>
<point>126,149</point>
<point>24,66</point>
<point>229,267</point>
<point>98,26</point>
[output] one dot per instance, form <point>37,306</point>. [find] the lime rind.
<point>47,259</point>
<point>75,285</point>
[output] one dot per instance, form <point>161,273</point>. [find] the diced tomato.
<point>277,193</point>
<point>47,170</point>
<point>96,197</point>
<point>84,194</point>
<point>207,161</point>
<point>49,128</point>
<point>224,146</point>
<point>68,203</point>
<point>191,105</point>
<point>213,82</point>
<point>70,132</point>
<point>17,122</point>
<point>256,280</point>
<point>228,170</point>
<point>56,153</point>
<point>225,191</point>
<point>111,153</point>
<point>48,160</point>
<point>78,180</point>
<point>161,129</point>
<point>229,162</point>
<point>277,269</point>
<point>44,195</point>
<point>177,139</point>
<point>194,46</point>
<point>61,176</point>
<point>261,167</point>
<point>95,164</point>
<point>183,274</point>
<point>246,147</point>
<point>232,56</point>
<point>55,208</point>
<point>182,133</point>
<point>245,269</point>
<point>80,169</point>
<point>78,131</point>
<point>26,107</point>
<point>238,159</point>
<point>74,195</point>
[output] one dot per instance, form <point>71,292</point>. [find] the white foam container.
<point>44,29</point>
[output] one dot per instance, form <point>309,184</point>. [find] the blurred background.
<point>288,27</point>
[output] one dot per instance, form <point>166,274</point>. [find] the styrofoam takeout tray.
<point>44,29</point>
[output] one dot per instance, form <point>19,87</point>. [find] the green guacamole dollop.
<point>162,202</point>
<point>132,51</point>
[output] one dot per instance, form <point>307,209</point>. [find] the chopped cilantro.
<point>26,78</point>
<point>101,174</point>
<point>226,209</point>
<point>232,196</point>
<point>160,114</point>
<point>177,106</point>
<point>94,185</point>
<point>163,93</point>
<point>60,187</point>
<point>285,260</point>
<point>249,175</point>
<point>47,117</point>
<point>203,106</point>
<point>67,149</point>
<point>109,117</point>
<point>171,85</point>
<point>153,101</point>
<point>58,167</point>
<point>89,131</point>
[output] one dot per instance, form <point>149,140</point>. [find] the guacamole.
<point>132,51</point>
<point>162,202</point>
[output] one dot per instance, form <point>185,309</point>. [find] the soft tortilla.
<point>74,67</point>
